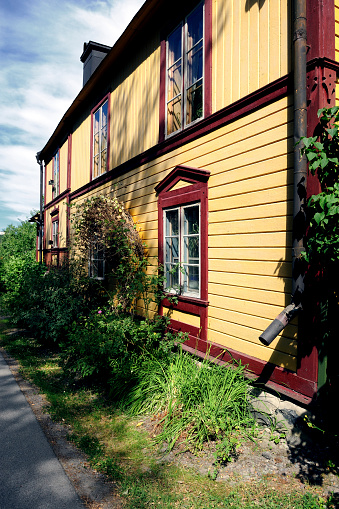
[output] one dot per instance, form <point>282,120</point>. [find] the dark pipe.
<point>300,176</point>
<point>279,324</point>
<point>39,161</point>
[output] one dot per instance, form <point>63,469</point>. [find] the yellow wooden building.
<point>190,118</point>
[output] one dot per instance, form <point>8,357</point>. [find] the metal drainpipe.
<point>39,161</point>
<point>300,176</point>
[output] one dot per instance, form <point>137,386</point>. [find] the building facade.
<point>189,119</point>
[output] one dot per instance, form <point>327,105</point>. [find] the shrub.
<point>46,302</point>
<point>107,348</point>
<point>198,401</point>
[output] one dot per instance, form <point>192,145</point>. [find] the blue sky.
<point>40,74</point>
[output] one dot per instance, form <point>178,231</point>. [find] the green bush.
<point>47,302</point>
<point>107,347</point>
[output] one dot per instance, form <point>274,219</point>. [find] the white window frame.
<point>96,254</point>
<point>180,289</point>
<point>55,234</point>
<point>101,130</point>
<point>184,73</point>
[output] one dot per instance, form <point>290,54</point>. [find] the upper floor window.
<point>185,72</point>
<point>100,140</point>
<point>56,175</point>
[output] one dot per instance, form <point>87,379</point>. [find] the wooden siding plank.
<point>253,308</point>
<point>256,267</point>
<point>258,351</point>
<point>250,186</point>
<point>246,294</point>
<point>255,198</point>
<point>276,239</point>
<point>275,39</point>
<point>277,209</point>
<point>242,325</point>
<point>254,47</point>
<point>263,254</point>
<point>262,225</point>
<point>276,284</point>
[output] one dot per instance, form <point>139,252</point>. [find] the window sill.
<point>186,304</point>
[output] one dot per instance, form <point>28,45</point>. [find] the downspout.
<point>300,176</point>
<point>39,161</point>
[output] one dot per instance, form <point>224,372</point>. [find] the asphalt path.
<point>31,476</point>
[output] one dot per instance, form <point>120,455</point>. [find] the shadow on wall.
<point>250,3</point>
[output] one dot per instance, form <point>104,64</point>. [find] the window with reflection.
<point>56,175</point>
<point>182,249</point>
<point>96,266</point>
<point>185,72</point>
<point>100,133</point>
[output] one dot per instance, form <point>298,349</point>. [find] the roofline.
<point>131,30</point>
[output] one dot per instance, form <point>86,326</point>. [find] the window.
<point>55,234</point>
<point>96,266</point>
<point>100,140</point>
<point>182,249</point>
<point>56,175</point>
<point>185,72</point>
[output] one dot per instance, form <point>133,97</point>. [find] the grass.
<point>118,445</point>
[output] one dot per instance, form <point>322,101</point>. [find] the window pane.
<point>174,47</point>
<point>96,144</point>
<point>96,122</point>
<point>194,65</point>
<point>194,103</point>
<point>104,138</point>
<point>172,222</point>
<point>103,161</point>
<point>174,81</point>
<point>104,110</point>
<point>172,250</point>
<point>174,115</point>
<point>191,279</point>
<point>96,166</point>
<point>191,249</point>
<point>191,220</point>
<point>195,27</point>
<point>172,276</point>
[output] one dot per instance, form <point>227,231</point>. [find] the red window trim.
<point>55,218</point>
<point>197,191</point>
<point>107,98</point>
<point>207,71</point>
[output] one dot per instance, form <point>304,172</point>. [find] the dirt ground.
<point>296,460</point>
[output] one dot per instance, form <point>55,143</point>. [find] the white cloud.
<point>41,73</point>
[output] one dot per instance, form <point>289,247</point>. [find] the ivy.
<point>323,209</point>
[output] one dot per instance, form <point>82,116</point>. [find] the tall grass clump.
<point>197,402</point>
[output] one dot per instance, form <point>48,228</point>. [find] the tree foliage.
<point>17,246</point>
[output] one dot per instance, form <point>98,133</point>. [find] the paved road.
<point>31,476</point>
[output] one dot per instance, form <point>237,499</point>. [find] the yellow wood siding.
<point>251,47</point>
<point>135,105</point>
<point>81,154</point>
<point>48,177</point>
<point>63,167</point>
<point>250,210</point>
<point>62,223</point>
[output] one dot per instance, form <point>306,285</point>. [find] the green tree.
<point>17,244</point>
